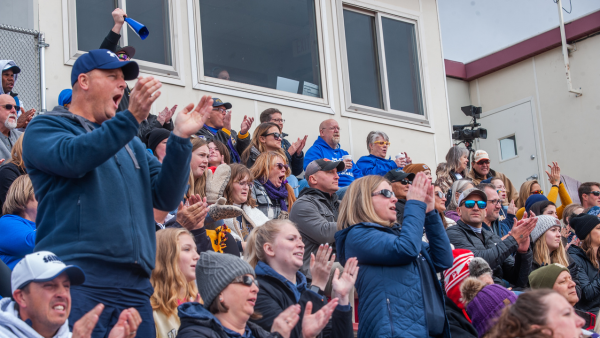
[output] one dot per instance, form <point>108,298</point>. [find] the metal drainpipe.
<point>565,52</point>
<point>42,46</point>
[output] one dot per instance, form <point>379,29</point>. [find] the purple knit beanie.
<point>487,305</point>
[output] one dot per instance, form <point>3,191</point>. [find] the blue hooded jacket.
<point>96,186</point>
<point>320,149</point>
<point>373,165</point>
<point>390,282</point>
<point>17,239</point>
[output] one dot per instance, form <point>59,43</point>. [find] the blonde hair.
<point>16,154</point>
<point>197,185</point>
<point>357,205</point>
<point>525,192</point>
<point>261,168</point>
<point>265,233</point>
<point>18,195</point>
<point>543,256</point>
<point>166,278</point>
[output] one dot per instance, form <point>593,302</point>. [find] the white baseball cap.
<point>43,266</point>
<point>481,155</point>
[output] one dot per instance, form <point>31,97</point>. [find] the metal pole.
<point>42,46</point>
<point>565,52</point>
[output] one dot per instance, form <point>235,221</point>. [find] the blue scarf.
<point>264,269</point>
<point>234,154</point>
<point>279,194</point>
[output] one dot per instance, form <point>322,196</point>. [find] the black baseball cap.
<point>218,103</point>
<point>396,175</point>
<point>323,164</point>
<point>130,51</point>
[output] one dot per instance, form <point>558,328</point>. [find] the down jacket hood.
<point>11,325</point>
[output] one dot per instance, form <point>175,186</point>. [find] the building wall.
<point>423,146</point>
<point>566,124</point>
<point>19,13</point>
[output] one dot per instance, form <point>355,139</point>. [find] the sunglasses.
<point>440,194</point>
<point>281,166</point>
<point>386,193</point>
<point>470,204</point>
<point>404,181</point>
<point>246,280</point>
<point>123,56</point>
<point>595,193</point>
<point>11,106</point>
<point>483,162</point>
<point>537,192</point>
<point>277,136</point>
<point>381,143</point>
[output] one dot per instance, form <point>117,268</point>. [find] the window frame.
<point>173,74</point>
<point>243,90</point>
<point>385,115</point>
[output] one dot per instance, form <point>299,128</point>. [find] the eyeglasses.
<point>537,192</point>
<point>246,280</point>
<point>440,194</point>
<point>381,143</point>
<point>386,193</point>
<point>221,110</point>
<point>278,120</point>
<point>404,181</point>
<point>470,204</point>
<point>483,162</point>
<point>332,128</point>
<point>244,183</point>
<point>123,56</point>
<point>11,106</point>
<point>494,202</point>
<point>277,136</point>
<point>281,166</point>
<point>595,193</point>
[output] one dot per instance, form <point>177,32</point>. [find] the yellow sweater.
<point>554,193</point>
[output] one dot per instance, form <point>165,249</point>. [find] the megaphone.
<point>138,28</point>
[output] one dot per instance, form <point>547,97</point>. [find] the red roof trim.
<point>523,50</point>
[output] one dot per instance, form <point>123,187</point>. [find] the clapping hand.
<point>143,95</point>
<point>422,190</point>
<point>296,147</point>
<point>191,119</point>
<point>227,120</point>
<point>191,214</point>
<point>554,174</point>
<point>522,229</point>
<point>166,115</point>
<point>126,327</point>
<point>342,285</point>
<point>313,324</point>
<point>320,266</point>
<point>286,321</point>
<point>25,118</point>
<point>512,209</point>
<point>246,124</point>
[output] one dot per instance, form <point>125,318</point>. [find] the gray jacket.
<point>497,253</point>
<point>8,142</point>
<point>270,208</point>
<point>12,326</point>
<point>315,213</point>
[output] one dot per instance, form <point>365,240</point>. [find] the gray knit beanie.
<point>478,266</point>
<point>544,223</point>
<point>214,271</point>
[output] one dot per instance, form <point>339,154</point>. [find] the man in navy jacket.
<point>96,185</point>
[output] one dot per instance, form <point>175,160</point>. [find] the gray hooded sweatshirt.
<point>11,325</point>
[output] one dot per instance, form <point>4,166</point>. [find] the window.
<point>269,44</point>
<point>508,147</point>
<point>382,64</point>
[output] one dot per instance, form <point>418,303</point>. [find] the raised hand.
<point>512,209</point>
<point>25,118</point>
<point>408,159</point>
<point>286,321</point>
<point>301,146</point>
<point>85,325</point>
<point>119,18</point>
<point>342,285</point>
<point>246,124</point>
<point>191,119</point>
<point>227,120</point>
<point>320,266</point>
<point>419,189</point>
<point>522,229</point>
<point>143,96</point>
<point>166,114</point>
<point>313,324</point>
<point>430,198</point>
<point>127,325</point>
<point>554,174</point>
<point>296,147</point>
<point>400,162</point>
<point>191,215</point>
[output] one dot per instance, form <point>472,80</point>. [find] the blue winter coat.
<point>17,239</point>
<point>373,165</point>
<point>320,149</point>
<point>389,283</point>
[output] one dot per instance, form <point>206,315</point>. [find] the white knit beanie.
<point>544,223</point>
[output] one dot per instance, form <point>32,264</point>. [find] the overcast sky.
<point>472,29</point>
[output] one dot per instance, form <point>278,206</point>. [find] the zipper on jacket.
<point>423,288</point>
<point>134,238</point>
<point>390,314</point>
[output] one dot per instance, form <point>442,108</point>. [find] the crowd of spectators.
<point>176,225</point>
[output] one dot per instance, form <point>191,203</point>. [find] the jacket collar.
<point>322,142</point>
<point>263,269</point>
<point>466,226</point>
<point>313,191</point>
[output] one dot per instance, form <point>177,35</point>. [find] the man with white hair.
<point>8,123</point>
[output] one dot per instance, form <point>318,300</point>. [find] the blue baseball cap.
<point>103,59</point>
<point>218,103</point>
<point>65,97</point>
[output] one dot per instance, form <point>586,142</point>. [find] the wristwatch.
<point>317,290</point>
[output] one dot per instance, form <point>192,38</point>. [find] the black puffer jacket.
<point>460,327</point>
<point>496,252</point>
<point>198,322</point>
<point>589,281</point>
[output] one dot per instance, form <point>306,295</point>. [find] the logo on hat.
<point>51,258</point>
<point>112,54</point>
<point>218,101</point>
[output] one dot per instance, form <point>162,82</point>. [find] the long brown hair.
<point>166,278</point>
<point>16,154</point>
<point>222,149</point>
<point>261,130</point>
<point>524,193</point>
<point>261,168</point>
<point>527,317</point>
<point>197,185</point>
<point>586,245</point>
<point>357,205</point>
<point>238,173</point>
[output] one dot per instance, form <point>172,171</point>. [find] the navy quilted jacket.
<point>389,284</point>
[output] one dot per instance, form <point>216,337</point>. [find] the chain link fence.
<point>21,46</point>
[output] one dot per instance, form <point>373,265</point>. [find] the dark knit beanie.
<point>478,266</point>
<point>583,224</point>
<point>156,136</point>
<point>214,271</point>
<point>545,277</point>
<point>533,199</point>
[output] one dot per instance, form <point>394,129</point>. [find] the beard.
<point>336,140</point>
<point>10,125</point>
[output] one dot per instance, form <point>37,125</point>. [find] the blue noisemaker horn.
<point>138,28</point>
